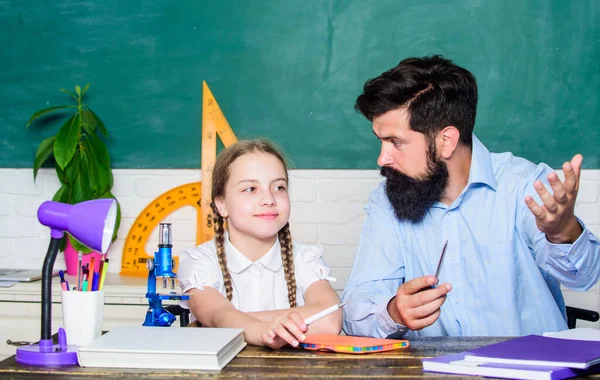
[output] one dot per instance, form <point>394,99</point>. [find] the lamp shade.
<point>91,222</point>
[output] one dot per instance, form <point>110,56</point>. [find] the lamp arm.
<point>47,287</point>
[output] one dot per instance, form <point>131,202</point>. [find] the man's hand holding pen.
<point>417,303</point>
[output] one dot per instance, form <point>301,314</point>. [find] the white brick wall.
<point>327,209</point>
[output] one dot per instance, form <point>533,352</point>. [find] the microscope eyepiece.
<point>165,235</point>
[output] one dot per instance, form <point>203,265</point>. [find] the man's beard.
<point>412,197</point>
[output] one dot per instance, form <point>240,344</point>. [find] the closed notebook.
<point>456,364</point>
<point>580,333</point>
<point>539,350</point>
<point>163,347</point>
<point>351,344</point>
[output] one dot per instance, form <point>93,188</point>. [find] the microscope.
<point>162,281</point>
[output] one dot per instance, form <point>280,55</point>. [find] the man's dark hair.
<point>436,92</point>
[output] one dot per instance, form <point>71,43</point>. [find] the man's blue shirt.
<point>505,275</point>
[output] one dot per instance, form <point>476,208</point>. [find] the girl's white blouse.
<point>257,286</point>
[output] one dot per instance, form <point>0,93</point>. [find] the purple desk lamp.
<point>92,223</point>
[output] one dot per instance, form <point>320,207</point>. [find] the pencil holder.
<point>82,316</point>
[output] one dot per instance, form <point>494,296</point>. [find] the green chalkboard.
<point>290,71</point>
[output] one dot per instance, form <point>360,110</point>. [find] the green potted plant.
<point>80,157</point>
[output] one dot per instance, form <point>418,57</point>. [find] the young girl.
<point>251,275</point>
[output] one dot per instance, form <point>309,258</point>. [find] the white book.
<point>582,333</point>
<point>163,347</point>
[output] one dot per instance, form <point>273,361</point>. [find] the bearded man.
<point>512,236</point>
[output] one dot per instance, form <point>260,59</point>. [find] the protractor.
<point>134,251</point>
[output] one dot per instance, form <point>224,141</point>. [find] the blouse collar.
<point>237,262</point>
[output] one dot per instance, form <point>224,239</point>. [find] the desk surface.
<point>288,363</point>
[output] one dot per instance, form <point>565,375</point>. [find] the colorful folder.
<point>351,344</point>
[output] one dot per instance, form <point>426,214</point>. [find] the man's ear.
<point>221,208</point>
<point>450,137</point>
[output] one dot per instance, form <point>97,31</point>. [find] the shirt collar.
<point>482,168</point>
<point>237,262</point>
<point>481,171</point>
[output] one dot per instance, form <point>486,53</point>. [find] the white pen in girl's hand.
<point>323,313</point>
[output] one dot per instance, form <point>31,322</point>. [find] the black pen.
<point>439,267</point>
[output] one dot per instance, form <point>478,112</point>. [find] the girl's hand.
<point>285,329</point>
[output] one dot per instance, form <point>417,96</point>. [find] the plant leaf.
<point>44,151</point>
<point>62,195</point>
<point>78,194</point>
<point>117,221</point>
<point>100,149</point>
<point>63,242</point>
<point>66,141</point>
<point>85,175</point>
<point>99,171</point>
<point>44,112</point>
<point>77,246</point>
<point>89,163</point>
<point>78,90</point>
<point>70,93</point>
<point>104,178</point>
<point>99,122</point>
<point>88,121</point>
<point>85,89</point>
<point>62,176</point>
<point>111,180</point>
<point>88,130</point>
<point>72,169</point>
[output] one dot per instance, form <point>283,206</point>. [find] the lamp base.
<point>47,354</point>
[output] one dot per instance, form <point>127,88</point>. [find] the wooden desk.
<point>288,363</point>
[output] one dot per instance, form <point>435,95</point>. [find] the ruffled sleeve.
<point>198,267</point>
<point>310,266</point>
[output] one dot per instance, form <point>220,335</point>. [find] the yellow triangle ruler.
<point>213,123</point>
<point>195,194</point>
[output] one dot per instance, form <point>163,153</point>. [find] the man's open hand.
<point>556,216</point>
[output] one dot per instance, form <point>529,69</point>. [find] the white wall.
<point>327,209</point>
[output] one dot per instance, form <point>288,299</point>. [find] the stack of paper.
<point>163,347</point>
<point>528,357</point>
